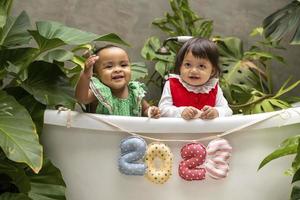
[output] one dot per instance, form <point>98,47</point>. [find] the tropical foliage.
<point>247,79</point>
<point>276,26</point>
<point>36,72</point>
<point>283,21</point>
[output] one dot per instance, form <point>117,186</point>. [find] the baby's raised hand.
<point>153,112</point>
<point>89,64</point>
<point>189,113</point>
<point>209,112</point>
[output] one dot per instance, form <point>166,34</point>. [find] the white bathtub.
<point>87,155</point>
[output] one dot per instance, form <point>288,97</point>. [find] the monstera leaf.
<point>20,143</point>
<point>235,69</point>
<point>49,85</point>
<point>283,21</point>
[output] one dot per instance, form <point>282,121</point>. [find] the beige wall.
<point>131,19</point>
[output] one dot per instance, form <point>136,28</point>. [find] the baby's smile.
<point>117,77</point>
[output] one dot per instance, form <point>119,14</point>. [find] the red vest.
<point>182,97</point>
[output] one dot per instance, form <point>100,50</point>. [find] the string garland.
<point>231,131</point>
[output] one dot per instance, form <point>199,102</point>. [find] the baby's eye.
<point>108,66</point>
<point>187,65</point>
<point>202,66</point>
<point>124,65</point>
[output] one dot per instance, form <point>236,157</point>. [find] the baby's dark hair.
<point>98,49</point>
<point>200,48</point>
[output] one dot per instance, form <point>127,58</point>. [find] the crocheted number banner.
<point>155,161</point>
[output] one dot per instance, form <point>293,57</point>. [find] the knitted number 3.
<point>194,155</point>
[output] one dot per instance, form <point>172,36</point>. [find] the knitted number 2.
<point>194,155</point>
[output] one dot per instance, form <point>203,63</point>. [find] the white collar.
<point>206,88</point>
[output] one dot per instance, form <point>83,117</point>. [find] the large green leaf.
<point>283,21</point>
<point>295,195</point>
<point>296,176</point>
<point>15,31</point>
<point>48,184</point>
<point>35,109</point>
<point>238,72</point>
<point>60,55</point>
<point>51,34</point>
<point>149,51</point>
<point>17,175</point>
<point>230,47</point>
<point>287,147</point>
<point>20,143</point>
<point>49,85</point>
<point>14,196</point>
<point>5,6</point>
<point>15,61</point>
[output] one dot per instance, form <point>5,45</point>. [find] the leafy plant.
<point>33,77</point>
<point>283,21</point>
<point>246,74</point>
<point>183,21</point>
<point>289,146</point>
<point>276,26</point>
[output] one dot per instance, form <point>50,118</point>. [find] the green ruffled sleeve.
<point>138,92</point>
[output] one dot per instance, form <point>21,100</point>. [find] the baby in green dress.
<point>111,88</point>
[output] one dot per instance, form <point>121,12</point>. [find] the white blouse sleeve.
<point>166,106</point>
<point>222,104</point>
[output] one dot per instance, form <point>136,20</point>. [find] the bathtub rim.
<point>170,125</point>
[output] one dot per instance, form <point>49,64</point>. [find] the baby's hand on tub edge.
<point>153,112</point>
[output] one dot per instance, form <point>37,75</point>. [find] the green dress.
<point>111,105</point>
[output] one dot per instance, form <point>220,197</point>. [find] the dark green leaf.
<point>296,176</point>
<point>60,55</point>
<point>282,21</point>
<point>48,184</point>
<point>5,7</point>
<point>17,175</point>
<point>72,36</point>
<point>14,196</point>
<point>231,47</point>
<point>111,37</point>
<point>295,195</point>
<point>15,31</point>
<point>49,85</point>
<point>35,109</point>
